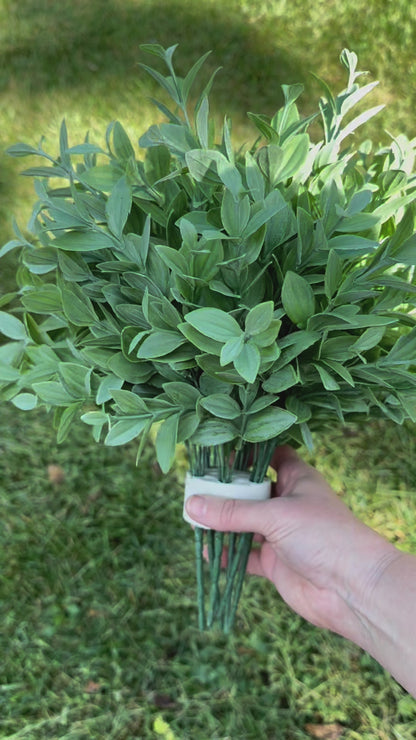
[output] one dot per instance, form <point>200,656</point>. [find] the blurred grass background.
<point>98,636</point>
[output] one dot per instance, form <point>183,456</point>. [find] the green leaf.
<point>231,349</point>
<point>358,121</point>
<point>297,298</point>
<point>369,338</point>
<point>132,372</point>
<point>9,246</point>
<point>340,370</point>
<point>103,177</point>
<point>52,393</point>
<point>191,76</point>
<point>213,432</point>
<point>12,327</point>
<point>128,402</point>
<point>166,83</point>
<point>176,137</point>
<point>329,383</point>
<point>121,142</point>
<point>301,410</point>
<point>235,213</point>
<point>83,241</point>
<point>268,336</point>
<point>221,405</point>
<point>230,177</point>
<point>247,363</point>
<point>259,318</point>
<point>22,150</point>
<point>349,245</point>
<point>281,380</point>
<point>200,340</point>
<point>307,436</point>
<point>66,417</point>
<point>8,373</point>
<point>182,394</point>
<point>118,206</point>
<point>188,424</point>
<point>73,266</point>
<point>261,403</point>
<point>40,261</point>
<point>77,306</point>
<point>95,418</point>
<point>54,171</point>
<point>214,323</point>
<point>306,233</point>
<point>45,299</point>
<point>333,273</point>
<point>338,348</point>
<point>211,366</point>
<point>265,129</point>
<point>279,163</point>
<point>85,148</point>
<point>255,179</point>
<point>270,159</point>
<point>358,222</point>
<point>404,350</point>
<point>406,253</point>
<point>124,431</point>
<point>268,424</point>
<point>203,164</point>
<point>160,343</point>
<point>173,259</point>
<point>166,439</point>
<point>76,379</point>
<point>25,401</point>
<point>294,344</point>
<point>105,390</point>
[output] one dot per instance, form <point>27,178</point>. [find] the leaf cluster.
<point>234,297</point>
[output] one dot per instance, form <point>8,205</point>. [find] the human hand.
<point>320,557</point>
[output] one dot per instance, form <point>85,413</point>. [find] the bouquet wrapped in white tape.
<point>239,299</point>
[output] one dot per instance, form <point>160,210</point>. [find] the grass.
<point>97,584</point>
<point>80,60</point>
<point>98,613</point>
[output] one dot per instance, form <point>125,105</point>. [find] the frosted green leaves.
<point>163,285</point>
<point>245,349</point>
<point>297,298</point>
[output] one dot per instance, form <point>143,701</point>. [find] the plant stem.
<point>223,607</point>
<point>214,596</point>
<point>199,543</point>
<point>232,538</point>
<point>247,539</point>
<point>227,595</point>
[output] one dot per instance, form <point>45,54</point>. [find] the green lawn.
<point>98,633</point>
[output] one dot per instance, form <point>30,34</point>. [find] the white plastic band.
<point>241,488</point>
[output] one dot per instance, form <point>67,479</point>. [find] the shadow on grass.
<point>92,50</point>
<point>70,44</point>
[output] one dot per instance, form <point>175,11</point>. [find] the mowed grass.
<point>98,614</point>
<point>98,633</point>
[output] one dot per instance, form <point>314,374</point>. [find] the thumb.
<point>231,515</point>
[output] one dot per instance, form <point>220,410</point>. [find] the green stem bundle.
<point>217,604</point>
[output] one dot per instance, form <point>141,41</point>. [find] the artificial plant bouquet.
<point>239,299</point>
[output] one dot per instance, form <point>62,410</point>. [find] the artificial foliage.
<point>236,298</point>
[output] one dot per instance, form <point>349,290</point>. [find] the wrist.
<point>384,609</point>
<point>370,559</point>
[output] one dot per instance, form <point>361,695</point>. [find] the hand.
<point>322,560</point>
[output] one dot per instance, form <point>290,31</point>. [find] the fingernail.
<point>196,507</point>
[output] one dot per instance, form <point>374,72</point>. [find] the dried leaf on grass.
<point>325,732</point>
<point>56,474</point>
